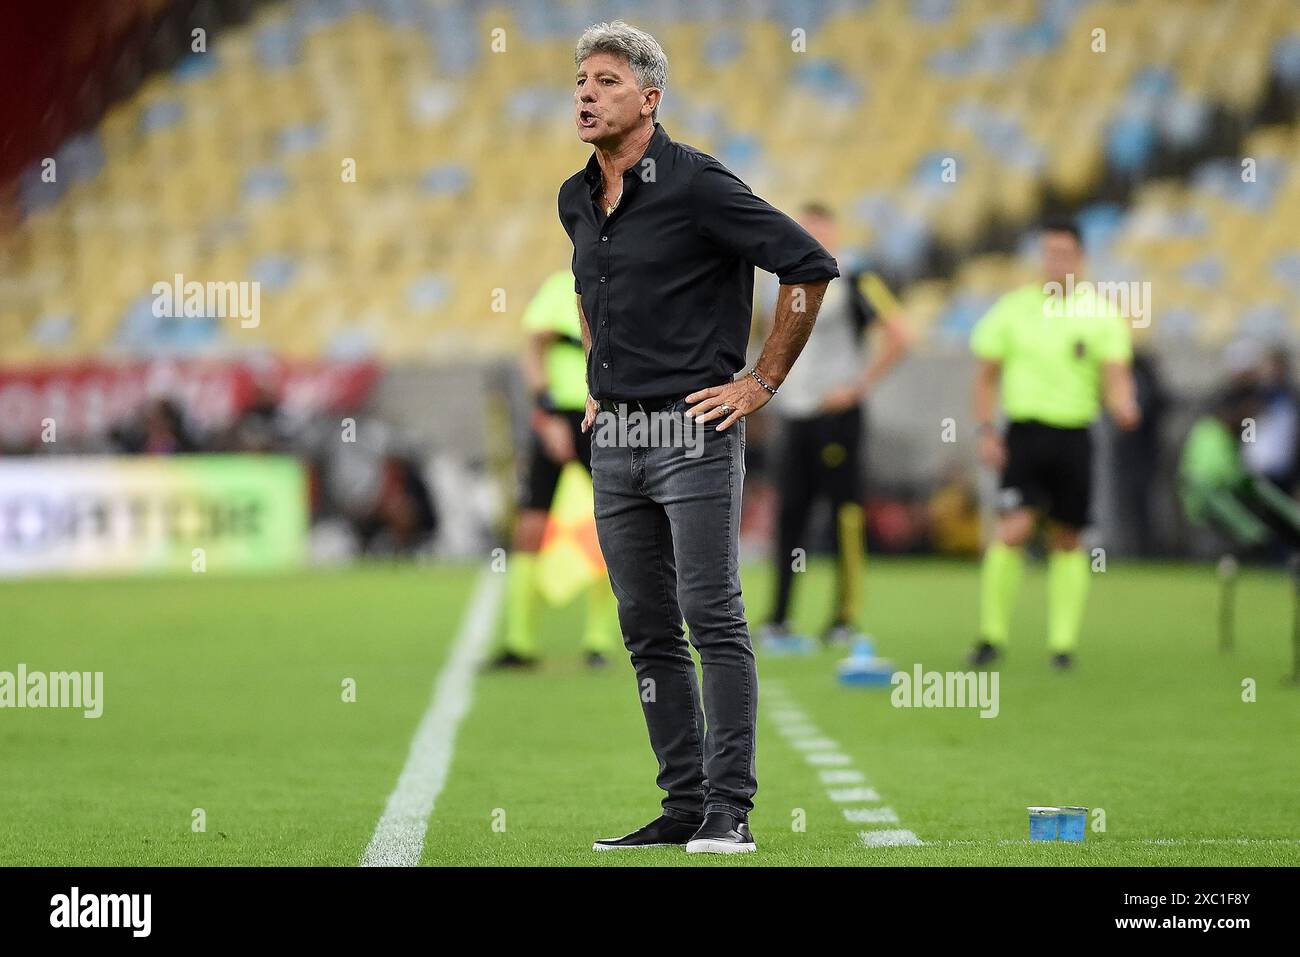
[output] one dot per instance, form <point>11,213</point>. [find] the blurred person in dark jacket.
<point>404,518</point>
<point>1137,455</point>
<point>161,430</point>
<point>1274,454</point>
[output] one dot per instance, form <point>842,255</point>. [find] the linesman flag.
<point>570,558</point>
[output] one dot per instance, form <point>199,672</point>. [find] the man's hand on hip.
<point>588,420</point>
<point>728,402</point>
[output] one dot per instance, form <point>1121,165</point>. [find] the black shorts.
<point>1048,469</point>
<point>823,457</point>
<point>543,474</point>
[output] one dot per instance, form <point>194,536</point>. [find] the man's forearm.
<point>986,383</point>
<point>898,342</point>
<point>534,363</point>
<point>1120,392</point>
<point>797,306</point>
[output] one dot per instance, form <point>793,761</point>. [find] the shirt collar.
<point>658,141</point>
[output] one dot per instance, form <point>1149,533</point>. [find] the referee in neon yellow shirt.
<point>1055,352</point>
<point>555,368</point>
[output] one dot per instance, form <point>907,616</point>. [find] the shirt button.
<point>604,365</point>
<point>604,239</point>
<point>602,278</point>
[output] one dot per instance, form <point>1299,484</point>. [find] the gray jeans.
<point>668,520</point>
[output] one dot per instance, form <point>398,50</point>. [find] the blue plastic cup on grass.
<point>1072,823</point>
<point>1044,823</point>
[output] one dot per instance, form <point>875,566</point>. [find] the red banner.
<point>86,399</point>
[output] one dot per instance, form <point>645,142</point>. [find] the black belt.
<point>643,405</point>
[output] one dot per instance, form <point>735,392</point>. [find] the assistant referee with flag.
<point>1057,352</point>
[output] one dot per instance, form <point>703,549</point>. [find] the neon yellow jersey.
<point>555,309</point>
<point>1052,350</point>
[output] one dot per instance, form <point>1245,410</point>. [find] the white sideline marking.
<point>1159,841</point>
<point>792,731</point>
<point>842,777</point>
<point>893,838</point>
<point>799,732</point>
<point>827,757</point>
<point>399,836</point>
<point>870,815</point>
<point>1222,840</point>
<point>845,795</point>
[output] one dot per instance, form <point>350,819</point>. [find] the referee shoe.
<point>984,653</point>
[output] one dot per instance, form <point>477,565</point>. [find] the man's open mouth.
<point>586,118</point>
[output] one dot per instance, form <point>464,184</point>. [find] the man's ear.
<point>652,97</point>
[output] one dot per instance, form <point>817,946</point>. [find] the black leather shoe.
<point>721,833</point>
<point>663,831</point>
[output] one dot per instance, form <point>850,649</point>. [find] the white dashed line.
<point>827,757</point>
<point>889,838</point>
<point>870,815</point>
<point>822,752</point>
<point>847,795</point>
<point>841,777</point>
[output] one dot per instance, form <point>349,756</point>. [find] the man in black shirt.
<point>665,241</point>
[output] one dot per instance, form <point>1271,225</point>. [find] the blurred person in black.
<point>821,436</point>
<point>1137,457</point>
<point>160,430</point>
<point>1275,452</point>
<point>403,519</point>
<point>258,428</point>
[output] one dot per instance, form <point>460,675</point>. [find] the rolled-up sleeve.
<point>728,213</point>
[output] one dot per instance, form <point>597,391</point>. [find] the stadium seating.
<point>929,122</point>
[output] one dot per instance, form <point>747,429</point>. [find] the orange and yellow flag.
<point>570,557</point>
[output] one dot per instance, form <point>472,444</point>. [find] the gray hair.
<point>643,53</point>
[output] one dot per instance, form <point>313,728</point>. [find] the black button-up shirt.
<point>667,280</point>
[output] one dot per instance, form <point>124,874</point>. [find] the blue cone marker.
<point>863,669</point>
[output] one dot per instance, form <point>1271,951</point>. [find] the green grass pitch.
<point>225,694</point>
